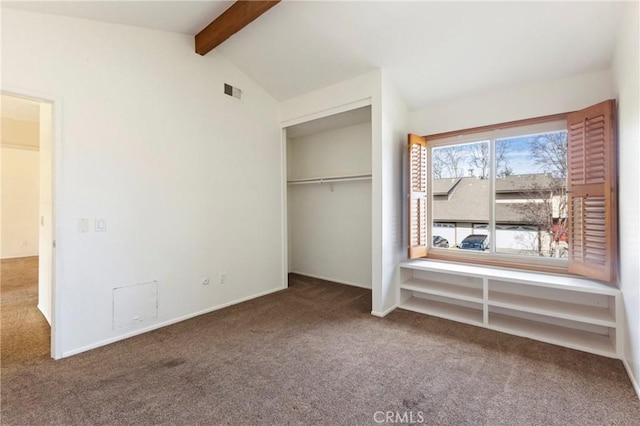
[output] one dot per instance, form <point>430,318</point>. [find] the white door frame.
<point>56,182</point>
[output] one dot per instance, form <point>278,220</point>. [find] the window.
<point>509,185</point>
<point>536,194</point>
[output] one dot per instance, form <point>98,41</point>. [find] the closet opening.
<point>329,221</point>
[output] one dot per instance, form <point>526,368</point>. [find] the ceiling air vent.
<point>232,91</point>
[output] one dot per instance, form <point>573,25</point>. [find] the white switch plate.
<point>83,224</point>
<point>101,225</point>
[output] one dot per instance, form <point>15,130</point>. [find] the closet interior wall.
<point>329,198</point>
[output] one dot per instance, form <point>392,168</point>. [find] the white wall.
<point>20,133</point>
<point>547,98</point>
<point>391,160</point>
<point>186,178</point>
<point>330,224</point>
<point>626,71</point>
<point>19,202</point>
<point>344,96</point>
<point>335,152</point>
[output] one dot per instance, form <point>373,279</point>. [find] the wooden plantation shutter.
<point>417,196</point>
<point>592,192</point>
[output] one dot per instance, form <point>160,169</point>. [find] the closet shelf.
<point>328,179</point>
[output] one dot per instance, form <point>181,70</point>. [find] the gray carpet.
<point>313,355</point>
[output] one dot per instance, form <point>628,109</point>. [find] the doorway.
<point>26,217</point>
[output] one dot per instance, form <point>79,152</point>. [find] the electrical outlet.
<point>205,281</point>
<point>223,278</point>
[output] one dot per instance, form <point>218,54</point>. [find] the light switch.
<point>101,225</point>
<point>83,225</point>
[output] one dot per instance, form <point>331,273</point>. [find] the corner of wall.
<point>626,67</point>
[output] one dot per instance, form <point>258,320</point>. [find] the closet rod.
<point>329,179</point>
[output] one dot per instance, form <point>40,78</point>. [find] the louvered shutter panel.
<point>417,196</point>
<point>592,192</point>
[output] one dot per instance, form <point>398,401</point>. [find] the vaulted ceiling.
<point>432,51</point>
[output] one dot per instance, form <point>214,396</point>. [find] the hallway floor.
<point>24,332</point>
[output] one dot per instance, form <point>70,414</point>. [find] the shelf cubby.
<point>601,344</point>
<point>444,289</point>
<point>555,308</point>
<point>443,307</point>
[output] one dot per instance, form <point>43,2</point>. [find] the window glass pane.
<point>461,196</point>
<point>531,195</point>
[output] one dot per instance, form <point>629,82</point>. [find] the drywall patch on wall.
<point>134,304</point>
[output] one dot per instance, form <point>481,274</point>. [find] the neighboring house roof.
<point>525,183</point>
<point>444,186</point>
<point>467,199</point>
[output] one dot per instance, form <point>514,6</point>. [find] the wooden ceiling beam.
<point>232,20</point>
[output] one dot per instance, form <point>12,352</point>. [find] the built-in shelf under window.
<point>568,311</point>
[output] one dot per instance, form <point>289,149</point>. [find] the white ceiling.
<point>186,17</point>
<point>432,51</point>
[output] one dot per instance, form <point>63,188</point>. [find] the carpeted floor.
<point>24,333</point>
<point>313,355</point>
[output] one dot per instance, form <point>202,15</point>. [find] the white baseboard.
<point>20,256</point>
<point>332,280</point>
<point>384,313</point>
<point>634,383</point>
<point>166,323</point>
<point>43,314</point>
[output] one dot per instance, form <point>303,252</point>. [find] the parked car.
<point>475,242</point>
<point>438,241</point>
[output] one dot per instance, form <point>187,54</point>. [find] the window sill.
<point>543,278</point>
<point>545,265</point>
